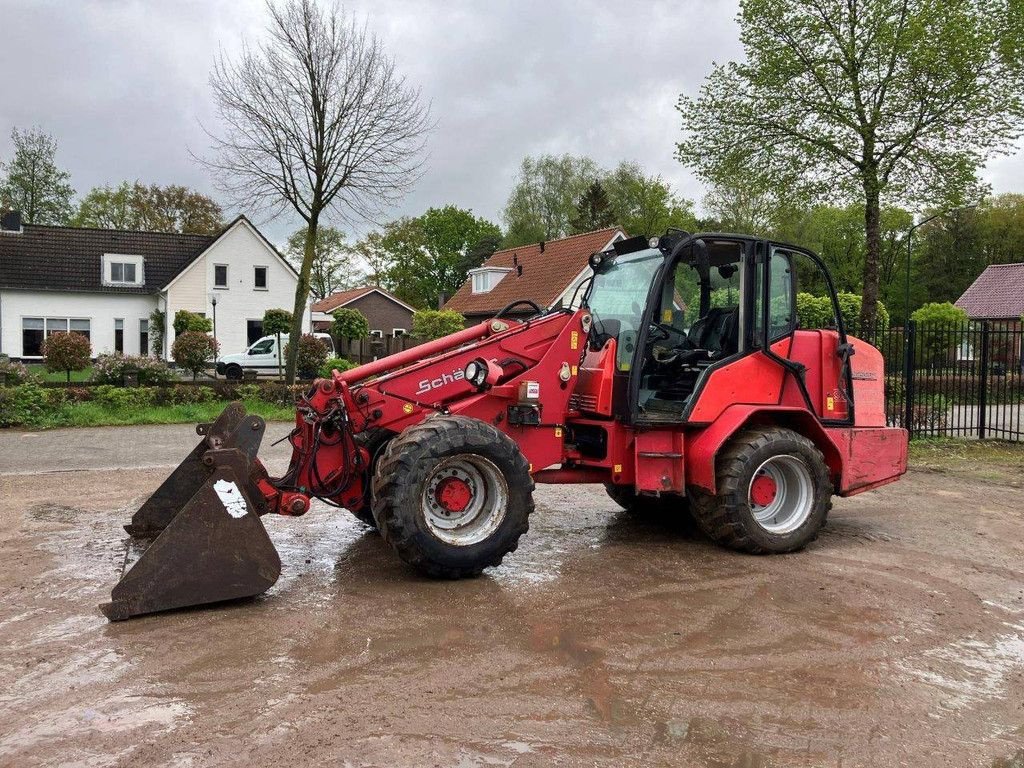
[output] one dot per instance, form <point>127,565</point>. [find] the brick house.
<point>546,273</point>
<point>389,316</point>
<point>997,295</point>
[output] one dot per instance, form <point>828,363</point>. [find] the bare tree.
<point>316,120</point>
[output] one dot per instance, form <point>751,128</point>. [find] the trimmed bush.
<point>247,392</point>
<point>339,363</point>
<point>312,354</point>
<point>66,352</point>
<point>186,395</point>
<point>279,393</point>
<point>113,397</point>
<point>816,311</point>
<point>349,324</point>
<point>194,351</point>
<point>185,321</point>
<point>22,406</point>
<point>429,324</point>
<point>110,369</point>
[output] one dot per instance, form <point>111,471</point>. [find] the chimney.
<point>10,222</point>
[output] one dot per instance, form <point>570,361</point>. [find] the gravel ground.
<point>896,639</point>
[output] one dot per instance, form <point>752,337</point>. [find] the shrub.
<point>311,355</point>
<point>431,324</point>
<point>110,369</point>
<point>186,395</point>
<point>816,311</point>
<point>350,324</point>
<point>22,406</point>
<point>248,391</point>
<point>12,373</point>
<point>157,331</point>
<point>339,363</point>
<point>279,393</point>
<point>67,352</point>
<point>185,321</point>
<point>277,321</point>
<point>194,351</point>
<point>127,398</point>
<point>939,312</point>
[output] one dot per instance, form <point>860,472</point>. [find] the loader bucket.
<point>210,544</point>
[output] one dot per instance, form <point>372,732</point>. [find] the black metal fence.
<point>954,380</point>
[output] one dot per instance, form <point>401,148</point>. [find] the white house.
<point>106,283</point>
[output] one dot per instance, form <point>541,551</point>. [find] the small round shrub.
<point>66,352</point>
<point>194,351</point>
<point>22,406</point>
<point>13,373</point>
<point>312,354</point>
<point>339,363</point>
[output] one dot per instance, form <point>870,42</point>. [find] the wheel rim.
<point>781,494</point>
<point>464,499</point>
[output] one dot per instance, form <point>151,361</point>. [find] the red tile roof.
<point>341,298</point>
<point>998,293</point>
<point>545,275</point>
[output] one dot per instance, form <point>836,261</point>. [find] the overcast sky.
<point>123,86</point>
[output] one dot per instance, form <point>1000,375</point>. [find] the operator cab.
<point>674,307</point>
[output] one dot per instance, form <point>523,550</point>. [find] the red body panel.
<point>574,394</point>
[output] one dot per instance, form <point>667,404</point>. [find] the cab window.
<point>781,297</point>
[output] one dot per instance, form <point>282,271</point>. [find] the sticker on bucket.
<point>231,498</point>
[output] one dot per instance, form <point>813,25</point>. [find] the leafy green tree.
<point>350,324</point>
<point>646,205</point>
<point>593,210</point>
<point>544,199</point>
<point>32,183</point>
<point>939,313</point>
<point>895,100</point>
<point>424,260</point>
<point>333,268</point>
<point>194,351</point>
<point>816,311</point>
<point>185,321</point>
<point>933,335</point>
<point>157,332</point>
<point>429,324</point>
<point>149,208</point>
<point>276,322</point>
<point>67,352</point>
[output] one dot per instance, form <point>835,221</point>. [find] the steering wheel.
<point>667,331</point>
<point>512,305</point>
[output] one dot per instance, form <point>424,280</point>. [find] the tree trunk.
<point>873,237</point>
<point>301,297</point>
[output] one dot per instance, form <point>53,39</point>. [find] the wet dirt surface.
<point>896,639</point>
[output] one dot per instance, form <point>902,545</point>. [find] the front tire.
<point>452,495</point>
<point>774,493</point>
<point>233,373</point>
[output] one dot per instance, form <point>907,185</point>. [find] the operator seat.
<point>717,332</point>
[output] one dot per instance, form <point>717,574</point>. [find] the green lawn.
<point>38,369</point>
<point>91,414</point>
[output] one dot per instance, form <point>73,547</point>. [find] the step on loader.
<point>678,377</point>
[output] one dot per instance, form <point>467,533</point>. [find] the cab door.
<point>262,355</point>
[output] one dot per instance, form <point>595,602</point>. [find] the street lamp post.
<point>910,248</point>
<point>213,301</point>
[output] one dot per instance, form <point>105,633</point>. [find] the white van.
<point>262,357</point>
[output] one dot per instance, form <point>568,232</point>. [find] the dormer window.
<point>485,278</point>
<point>120,269</point>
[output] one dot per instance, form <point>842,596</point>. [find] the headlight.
<point>476,373</point>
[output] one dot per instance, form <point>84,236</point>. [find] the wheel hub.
<point>454,494</point>
<point>763,490</point>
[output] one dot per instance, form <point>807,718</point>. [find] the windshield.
<point>618,297</point>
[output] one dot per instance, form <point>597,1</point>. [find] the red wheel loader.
<point>678,377</point>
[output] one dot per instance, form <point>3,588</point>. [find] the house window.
<point>376,334</point>
<point>122,270</point>
<point>260,278</point>
<point>484,280</point>
<point>32,336</point>
<point>144,336</point>
<point>80,327</point>
<point>119,335</point>
<point>35,329</point>
<point>220,275</point>
<point>397,333</point>
<point>253,331</point>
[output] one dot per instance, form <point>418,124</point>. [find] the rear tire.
<point>774,493</point>
<point>452,495</point>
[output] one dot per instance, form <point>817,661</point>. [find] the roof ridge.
<point>123,231</point>
<point>615,228</point>
<point>1010,264</point>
